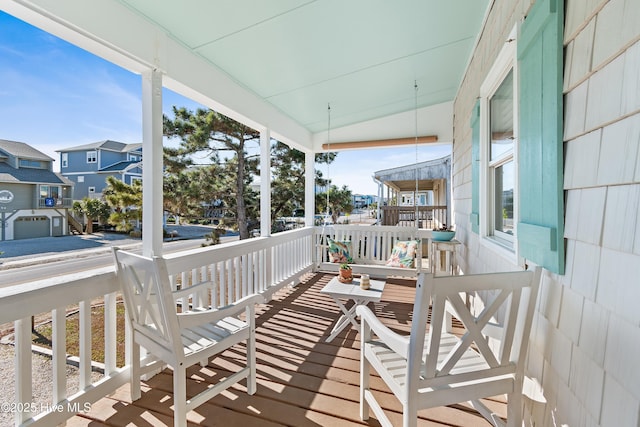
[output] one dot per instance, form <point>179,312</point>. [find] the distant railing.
<point>55,202</point>
<point>262,265</point>
<point>428,217</point>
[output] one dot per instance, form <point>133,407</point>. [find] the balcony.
<point>302,380</point>
<point>53,203</point>
<point>428,217</point>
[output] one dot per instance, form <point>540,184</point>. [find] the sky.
<point>54,95</point>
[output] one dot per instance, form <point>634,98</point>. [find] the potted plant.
<point>346,274</point>
<point>443,233</point>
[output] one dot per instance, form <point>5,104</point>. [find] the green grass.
<point>43,333</point>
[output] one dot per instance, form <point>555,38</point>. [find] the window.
<point>80,178</point>
<point>26,163</point>
<point>92,156</point>
<point>65,160</point>
<point>501,165</point>
<point>53,191</point>
<point>531,226</point>
<point>498,151</point>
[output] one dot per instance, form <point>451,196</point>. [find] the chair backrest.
<point>501,314</point>
<point>148,298</point>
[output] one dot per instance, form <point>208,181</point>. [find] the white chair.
<point>438,368</point>
<point>181,339</point>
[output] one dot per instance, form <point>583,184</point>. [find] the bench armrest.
<point>397,343</point>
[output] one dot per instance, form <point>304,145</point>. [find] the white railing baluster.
<point>223,283</point>
<point>110,328</point>
<point>59,354</point>
<point>85,344</point>
<point>238,278</point>
<point>24,386</point>
<point>245,274</point>
<point>215,284</point>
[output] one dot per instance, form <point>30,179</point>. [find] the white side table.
<point>351,291</point>
<point>444,257</point>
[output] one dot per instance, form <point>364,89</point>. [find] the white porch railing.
<point>261,265</point>
<point>232,270</point>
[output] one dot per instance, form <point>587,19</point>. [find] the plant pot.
<point>346,276</point>
<point>442,236</point>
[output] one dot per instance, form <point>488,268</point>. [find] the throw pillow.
<point>339,251</point>
<point>403,254</point>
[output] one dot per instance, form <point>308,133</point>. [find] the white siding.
<point>586,335</point>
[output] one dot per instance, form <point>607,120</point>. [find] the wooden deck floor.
<point>302,380</point>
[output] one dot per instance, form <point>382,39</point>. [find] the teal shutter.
<point>474,218</point>
<point>540,155</point>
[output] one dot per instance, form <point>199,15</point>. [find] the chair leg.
<point>365,368</point>
<point>134,360</point>
<point>410,414</point>
<point>251,362</point>
<point>514,409</point>
<point>179,396</point>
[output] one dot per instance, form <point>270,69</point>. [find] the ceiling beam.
<point>376,143</point>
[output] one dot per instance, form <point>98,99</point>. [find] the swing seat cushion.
<point>339,251</point>
<point>403,254</point>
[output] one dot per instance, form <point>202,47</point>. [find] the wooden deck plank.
<point>302,380</point>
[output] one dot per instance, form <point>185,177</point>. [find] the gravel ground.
<point>42,388</point>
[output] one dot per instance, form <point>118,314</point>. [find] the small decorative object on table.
<point>364,281</point>
<point>443,234</point>
<point>346,274</point>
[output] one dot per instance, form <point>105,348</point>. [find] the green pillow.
<point>403,254</point>
<point>339,251</point>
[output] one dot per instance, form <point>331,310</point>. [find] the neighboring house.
<point>34,200</point>
<point>429,183</point>
<point>361,201</point>
<point>89,165</point>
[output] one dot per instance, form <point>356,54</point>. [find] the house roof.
<point>403,178</point>
<point>9,174</point>
<point>22,150</point>
<point>277,64</point>
<point>108,145</point>
<point>122,166</point>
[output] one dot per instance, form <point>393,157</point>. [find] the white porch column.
<point>152,163</point>
<point>309,188</point>
<point>380,199</point>
<point>265,183</point>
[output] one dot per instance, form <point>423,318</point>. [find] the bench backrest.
<point>148,299</point>
<point>371,245</point>
<point>505,319</point>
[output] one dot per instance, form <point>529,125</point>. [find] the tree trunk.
<point>243,228</point>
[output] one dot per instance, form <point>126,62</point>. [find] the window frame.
<point>64,160</point>
<point>92,156</point>
<point>505,62</point>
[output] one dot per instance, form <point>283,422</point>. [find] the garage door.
<point>28,227</point>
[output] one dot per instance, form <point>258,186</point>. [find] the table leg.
<point>349,315</point>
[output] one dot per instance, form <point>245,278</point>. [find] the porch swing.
<point>379,251</point>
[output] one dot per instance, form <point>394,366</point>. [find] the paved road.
<point>20,253</point>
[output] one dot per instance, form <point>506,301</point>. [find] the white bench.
<point>371,248</point>
<point>431,368</point>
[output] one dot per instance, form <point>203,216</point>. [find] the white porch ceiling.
<point>278,63</point>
